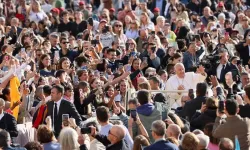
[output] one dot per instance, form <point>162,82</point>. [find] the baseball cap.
<point>156,9</point>
<point>112,9</point>
<point>81,3</point>
<point>103,20</point>
<point>220,4</point>
<point>55,10</point>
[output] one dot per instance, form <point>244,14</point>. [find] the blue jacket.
<point>162,145</point>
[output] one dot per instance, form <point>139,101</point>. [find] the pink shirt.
<point>212,146</point>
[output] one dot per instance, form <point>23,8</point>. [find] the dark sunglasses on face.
<point>118,25</point>
<point>65,42</point>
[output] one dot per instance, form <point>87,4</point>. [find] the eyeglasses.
<point>65,42</point>
<point>118,25</point>
<point>113,134</point>
<point>130,43</point>
<point>104,17</point>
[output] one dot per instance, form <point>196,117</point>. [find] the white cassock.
<point>189,82</point>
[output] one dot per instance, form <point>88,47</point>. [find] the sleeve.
<point>124,118</point>
<point>198,78</point>
<point>134,74</point>
<point>74,113</point>
<point>12,126</point>
<point>83,147</point>
<point>156,62</point>
<point>103,139</point>
<point>173,96</point>
<point>196,120</point>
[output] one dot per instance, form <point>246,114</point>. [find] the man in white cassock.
<point>183,81</point>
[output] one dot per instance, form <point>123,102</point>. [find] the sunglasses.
<point>118,25</point>
<point>65,42</point>
<point>112,134</point>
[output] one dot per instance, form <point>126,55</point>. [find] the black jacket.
<point>199,120</point>
<point>122,145</point>
<point>8,123</point>
<point>191,106</point>
<point>66,107</point>
<point>244,111</point>
<point>244,52</point>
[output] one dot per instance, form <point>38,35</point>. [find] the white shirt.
<point>1,116</point>
<point>105,129</point>
<point>218,70</point>
<point>36,17</point>
<point>189,82</point>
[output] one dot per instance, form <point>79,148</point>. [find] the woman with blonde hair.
<point>118,30</point>
<point>160,22</point>
<point>127,22</point>
<point>36,13</point>
<point>146,22</point>
<point>133,30</point>
<point>189,141</point>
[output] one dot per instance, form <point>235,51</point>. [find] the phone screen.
<point>86,130</point>
<point>133,114</point>
<point>65,119</point>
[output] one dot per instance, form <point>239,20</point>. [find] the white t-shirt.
<point>106,39</point>
<point>36,17</point>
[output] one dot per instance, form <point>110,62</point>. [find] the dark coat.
<point>162,145</point>
<point>8,123</point>
<point>244,53</point>
<point>191,106</point>
<point>245,111</point>
<point>66,107</point>
<point>122,145</point>
<point>199,120</point>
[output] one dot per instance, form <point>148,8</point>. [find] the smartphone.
<point>86,130</point>
<point>84,67</point>
<point>191,93</point>
<point>101,73</point>
<point>95,42</point>
<point>65,119</point>
<point>234,74</point>
<point>22,49</point>
<point>75,79</point>
<point>133,114</point>
<point>153,32</point>
<point>221,106</point>
<point>239,62</point>
<point>153,49</point>
<point>133,53</point>
<point>120,65</point>
<point>57,54</point>
<point>145,59</point>
<point>128,68</point>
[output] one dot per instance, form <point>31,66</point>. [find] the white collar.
<point>58,102</point>
<point>1,116</point>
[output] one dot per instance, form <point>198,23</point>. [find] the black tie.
<point>55,112</point>
<point>222,73</point>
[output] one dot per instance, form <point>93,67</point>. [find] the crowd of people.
<point>125,74</point>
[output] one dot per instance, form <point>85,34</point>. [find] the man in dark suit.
<point>224,67</point>
<point>158,3</point>
<point>7,121</point>
<point>191,106</point>
<point>158,133</point>
<point>58,106</point>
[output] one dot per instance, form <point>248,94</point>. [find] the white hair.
<point>68,139</point>
<point>178,64</point>
<point>222,15</point>
<point>203,140</point>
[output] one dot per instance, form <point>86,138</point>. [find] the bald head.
<point>226,144</point>
<point>119,131</point>
<point>173,130</point>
